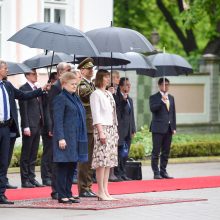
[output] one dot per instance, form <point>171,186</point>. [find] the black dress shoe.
<point>91,192</point>
<point>64,201</point>
<point>87,194</point>
<point>166,176</point>
<point>36,183</point>
<point>9,186</point>
<point>47,182</point>
<point>54,195</point>
<point>74,200</point>
<point>158,177</point>
<point>4,200</point>
<point>27,184</point>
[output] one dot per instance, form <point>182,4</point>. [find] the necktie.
<point>168,104</point>
<point>4,102</point>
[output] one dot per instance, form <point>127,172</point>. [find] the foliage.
<point>185,27</point>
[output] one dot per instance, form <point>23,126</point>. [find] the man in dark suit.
<point>9,122</point>
<point>54,91</point>
<point>126,123</point>
<point>163,126</point>
<point>32,120</point>
<point>85,89</point>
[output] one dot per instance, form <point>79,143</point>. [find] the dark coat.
<point>125,116</point>
<point>13,94</point>
<point>161,117</point>
<point>31,111</point>
<point>55,90</point>
<point>65,116</point>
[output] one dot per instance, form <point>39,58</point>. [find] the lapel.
<point>160,97</point>
<point>92,88</point>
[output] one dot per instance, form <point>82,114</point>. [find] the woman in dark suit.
<point>69,136</point>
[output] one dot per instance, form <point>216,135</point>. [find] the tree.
<point>186,27</point>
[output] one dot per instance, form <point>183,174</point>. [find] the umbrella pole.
<point>164,51</point>
<point>111,71</point>
<point>51,63</point>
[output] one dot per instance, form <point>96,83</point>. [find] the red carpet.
<point>127,187</point>
<point>94,204</point>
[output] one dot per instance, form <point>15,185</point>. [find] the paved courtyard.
<point>205,210</point>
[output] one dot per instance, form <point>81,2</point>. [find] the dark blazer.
<point>125,116</point>
<point>161,117</point>
<point>31,111</point>
<point>65,116</point>
<point>13,94</point>
<point>55,90</point>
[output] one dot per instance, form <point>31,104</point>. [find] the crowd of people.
<point>85,126</point>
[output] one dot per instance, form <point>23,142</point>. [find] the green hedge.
<point>183,145</point>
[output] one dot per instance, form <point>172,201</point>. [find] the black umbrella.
<point>107,59</point>
<point>169,64</point>
<point>117,39</point>
<point>138,62</point>
<point>44,60</point>
<point>17,68</point>
<point>55,37</point>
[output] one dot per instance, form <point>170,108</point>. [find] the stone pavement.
<point>205,210</point>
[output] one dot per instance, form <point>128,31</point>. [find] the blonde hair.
<point>66,76</point>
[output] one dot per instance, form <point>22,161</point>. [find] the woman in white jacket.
<point>105,153</point>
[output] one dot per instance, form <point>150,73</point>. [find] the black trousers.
<point>47,156</point>
<point>4,151</point>
<point>10,153</point>
<point>161,149</point>
<point>120,169</point>
<point>29,151</point>
<point>65,173</point>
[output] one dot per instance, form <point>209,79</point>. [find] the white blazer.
<point>101,108</point>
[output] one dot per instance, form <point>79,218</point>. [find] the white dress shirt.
<point>2,104</point>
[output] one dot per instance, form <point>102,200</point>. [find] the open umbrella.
<point>169,65</point>
<point>55,37</point>
<point>17,68</point>
<point>107,59</point>
<point>117,39</point>
<point>44,60</point>
<point>138,62</point>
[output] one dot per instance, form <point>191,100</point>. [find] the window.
<point>55,11</point>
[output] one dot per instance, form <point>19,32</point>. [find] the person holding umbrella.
<point>163,126</point>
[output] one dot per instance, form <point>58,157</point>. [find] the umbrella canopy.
<point>55,37</point>
<point>116,39</point>
<point>17,68</point>
<point>44,60</point>
<point>169,64</point>
<point>138,62</point>
<point>107,59</point>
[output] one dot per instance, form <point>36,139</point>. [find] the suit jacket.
<point>125,115</point>
<point>55,90</point>
<point>13,94</point>
<point>65,115</point>
<point>84,92</point>
<point>161,117</point>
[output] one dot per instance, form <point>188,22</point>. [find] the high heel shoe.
<point>103,198</point>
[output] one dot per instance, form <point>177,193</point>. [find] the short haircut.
<point>99,77</point>
<point>66,76</point>
<point>61,66</point>
<point>161,80</point>
<point>2,62</point>
<point>28,73</point>
<point>122,81</point>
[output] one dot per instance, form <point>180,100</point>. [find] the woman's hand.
<point>62,144</point>
<point>102,138</point>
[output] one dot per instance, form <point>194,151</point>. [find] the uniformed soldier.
<point>85,89</point>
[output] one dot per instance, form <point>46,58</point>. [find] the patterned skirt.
<point>106,155</point>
